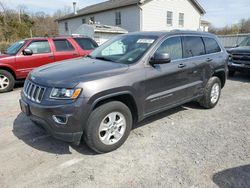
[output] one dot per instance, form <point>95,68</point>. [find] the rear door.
<point>195,58</point>
<point>64,50</point>
<point>42,55</point>
<point>214,55</point>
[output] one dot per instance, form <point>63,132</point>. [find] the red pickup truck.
<point>23,56</point>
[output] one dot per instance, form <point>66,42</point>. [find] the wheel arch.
<point>125,97</point>
<point>10,70</point>
<point>221,74</point>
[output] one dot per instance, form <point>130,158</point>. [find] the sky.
<point>219,12</point>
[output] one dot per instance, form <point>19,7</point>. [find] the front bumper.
<point>239,66</point>
<point>70,131</point>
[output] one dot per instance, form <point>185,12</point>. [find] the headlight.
<point>63,93</point>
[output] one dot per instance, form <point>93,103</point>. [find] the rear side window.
<point>173,47</point>
<point>39,47</point>
<point>193,46</point>
<point>85,43</point>
<point>211,45</point>
<point>63,45</point>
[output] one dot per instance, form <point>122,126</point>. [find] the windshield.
<point>245,42</point>
<point>126,49</point>
<point>15,47</point>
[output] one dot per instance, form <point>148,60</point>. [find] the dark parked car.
<point>23,56</point>
<point>125,80</point>
<point>239,59</point>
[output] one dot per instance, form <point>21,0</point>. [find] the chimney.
<point>74,7</point>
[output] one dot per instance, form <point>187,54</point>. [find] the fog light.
<point>60,119</point>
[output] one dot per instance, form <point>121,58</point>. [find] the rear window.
<point>193,46</point>
<point>63,45</point>
<point>85,43</point>
<point>211,45</point>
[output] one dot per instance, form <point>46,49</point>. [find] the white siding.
<point>154,15</point>
<point>130,18</point>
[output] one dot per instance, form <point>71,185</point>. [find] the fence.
<point>229,41</point>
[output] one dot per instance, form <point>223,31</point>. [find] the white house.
<point>205,25</point>
<point>137,15</point>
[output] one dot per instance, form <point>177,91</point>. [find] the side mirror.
<point>27,52</point>
<point>160,58</point>
<point>236,45</point>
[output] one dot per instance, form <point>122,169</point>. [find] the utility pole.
<point>19,16</point>
<point>31,33</point>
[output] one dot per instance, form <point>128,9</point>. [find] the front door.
<point>42,55</point>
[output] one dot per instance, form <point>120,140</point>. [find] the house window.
<point>66,26</point>
<point>169,18</point>
<point>181,19</point>
<point>92,19</point>
<point>118,19</point>
<point>83,21</point>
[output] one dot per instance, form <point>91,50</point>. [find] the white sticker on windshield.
<point>145,41</point>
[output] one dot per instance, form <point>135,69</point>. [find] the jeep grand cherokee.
<point>127,79</point>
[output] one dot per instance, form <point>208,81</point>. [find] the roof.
<point>113,4</point>
<point>168,33</point>
<point>109,29</point>
<point>204,22</point>
<point>100,28</point>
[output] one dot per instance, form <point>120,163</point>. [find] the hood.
<point>4,56</point>
<point>241,49</point>
<point>71,72</point>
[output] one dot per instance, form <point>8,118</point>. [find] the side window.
<point>173,47</point>
<point>85,43</point>
<point>39,47</point>
<point>211,45</point>
<point>193,46</point>
<point>63,45</point>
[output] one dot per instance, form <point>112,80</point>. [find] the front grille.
<point>241,58</point>
<point>33,91</point>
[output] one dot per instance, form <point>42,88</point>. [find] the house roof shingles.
<point>113,4</point>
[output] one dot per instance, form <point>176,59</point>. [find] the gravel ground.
<point>183,147</point>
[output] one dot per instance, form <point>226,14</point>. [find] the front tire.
<point>212,93</point>
<point>7,81</point>
<point>108,127</point>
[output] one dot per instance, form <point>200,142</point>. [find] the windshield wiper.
<point>104,59</point>
<point>89,56</point>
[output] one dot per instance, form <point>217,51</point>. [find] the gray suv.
<point>124,81</point>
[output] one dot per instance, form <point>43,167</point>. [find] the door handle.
<point>209,59</point>
<point>181,66</point>
<point>74,54</point>
<point>51,56</point>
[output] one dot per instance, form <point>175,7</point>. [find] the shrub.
<point>3,46</point>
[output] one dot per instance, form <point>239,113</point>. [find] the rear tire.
<point>108,127</point>
<point>212,93</point>
<point>7,81</point>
